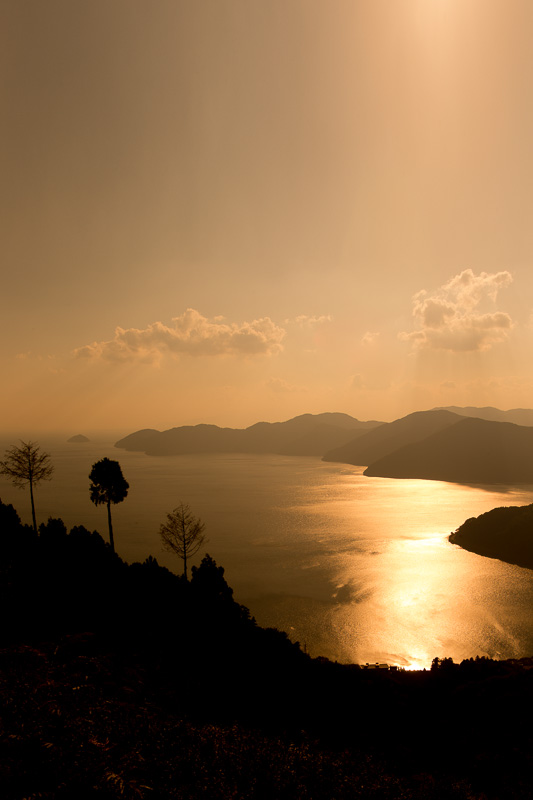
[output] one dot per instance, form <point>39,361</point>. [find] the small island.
<point>78,438</point>
<point>505,533</point>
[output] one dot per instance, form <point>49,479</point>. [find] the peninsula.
<point>505,533</point>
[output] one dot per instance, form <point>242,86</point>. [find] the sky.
<point>227,211</point>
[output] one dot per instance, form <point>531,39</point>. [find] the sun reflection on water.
<point>358,569</point>
<point>405,594</point>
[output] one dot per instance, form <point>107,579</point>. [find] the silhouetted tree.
<point>12,539</point>
<point>442,665</point>
<point>9,519</point>
<point>108,485</point>
<point>209,579</point>
<point>53,533</point>
<point>27,465</point>
<point>182,534</point>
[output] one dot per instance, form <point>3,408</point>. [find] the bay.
<point>356,569</point>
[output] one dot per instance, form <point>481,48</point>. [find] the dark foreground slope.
<point>124,681</point>
<point>505,533</point>
<point>469,451</point>
<point>80,720</point>
<point>308,434</point>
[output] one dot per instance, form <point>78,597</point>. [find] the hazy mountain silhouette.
<point>78,438</point>
<point>308,434</point>
<point>505,533</point>
<point>436,445</point>
<point>520,416</point>
<point>469,451</point>
<point>389,437</point>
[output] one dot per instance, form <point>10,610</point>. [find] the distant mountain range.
<point>391,436</point>
<point>468,451</point>
<point>447,444</point>
<point>520,416</point>
<point>306,435</point>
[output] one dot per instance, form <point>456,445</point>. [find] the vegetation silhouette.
<point>108,485</point>
<point>182,534</point>
<point>130,680</point>
<point>27,465</point>
<point>505,533</point>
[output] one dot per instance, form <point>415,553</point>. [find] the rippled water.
<point>355,568</point>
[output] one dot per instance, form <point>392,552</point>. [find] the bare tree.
<point>182,534</point>
<point>108,485</point>
<point>27,465</point>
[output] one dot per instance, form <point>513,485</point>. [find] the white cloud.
<point>453,317</point>
<point>369,338</point>
<point>306,321</point>
<point>191,334</point>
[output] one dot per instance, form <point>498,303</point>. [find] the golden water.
<point>356,569</point>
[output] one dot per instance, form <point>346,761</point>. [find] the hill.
<point>469,451</point>
<point>389,437</point>
<point>308,434</point>
<point>505,533</point>
<point>520,416</point>
<point>79,438</point>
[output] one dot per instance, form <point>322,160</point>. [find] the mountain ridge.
<point>437,444</point>
<point>469,451</point>
<point>391,436</point>
<point>520,416</point>
<point>307,434</point>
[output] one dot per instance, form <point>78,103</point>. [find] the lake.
<point>356,569</point>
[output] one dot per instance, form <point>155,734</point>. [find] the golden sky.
<point>232,210</point>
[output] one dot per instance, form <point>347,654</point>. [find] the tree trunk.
<point>111,541</point>
<point>185,563</point>
<point>33,508</point>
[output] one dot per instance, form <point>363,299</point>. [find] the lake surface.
<point>356,569</point>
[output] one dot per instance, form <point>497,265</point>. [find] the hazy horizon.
<point>112,434</point>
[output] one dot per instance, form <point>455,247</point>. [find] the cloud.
<point>306,321</point>
<point>453,317</point>
<point>191,334</point>
<point>369,338</point>
<point>30,355</point>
